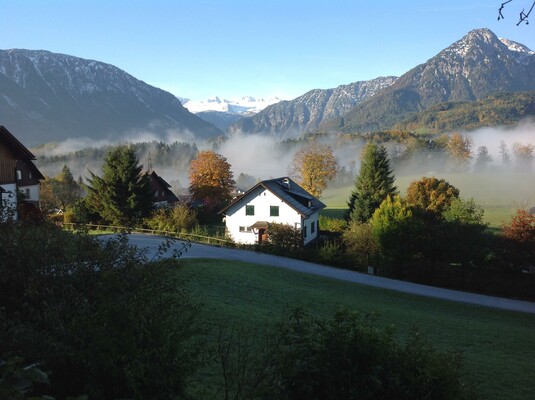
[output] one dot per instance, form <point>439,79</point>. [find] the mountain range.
<point>47,97</point>
<point>470,69</point>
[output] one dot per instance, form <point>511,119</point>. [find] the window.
<point>304,231</point>
<point>273,211</point>
<point>27,194</point>
<point>30,176</point>
<point>245,229</point>
<point>19,174</point>
<point>313,227</point>
<point>249,210</point>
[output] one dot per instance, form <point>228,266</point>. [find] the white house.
<point>278,200</point>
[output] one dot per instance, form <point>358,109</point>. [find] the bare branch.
<point>523,15</point>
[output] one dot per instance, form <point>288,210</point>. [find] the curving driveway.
<point>151,243</point>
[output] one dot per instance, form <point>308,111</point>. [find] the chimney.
<point>286,183</point>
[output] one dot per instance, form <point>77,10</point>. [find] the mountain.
<point>47,97</point>
<point>470,69</point>
<point>223,113</point>
<point>304,114</point>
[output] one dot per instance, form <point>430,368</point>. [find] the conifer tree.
<point>123,194</point>
<point>373,184</point>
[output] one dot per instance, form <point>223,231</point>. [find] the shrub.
<point>361,244</point>
<point>175,219</point>
<point>348,357</point>
<point>284,236</point>
<point>96,317</point>
<point>332,224</point>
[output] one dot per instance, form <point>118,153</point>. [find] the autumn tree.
<point>211,180</point>
<point>314,166</point>
<point>460,149</point>
<point>524,155</point>
<point>59,192</point>
<point>521,234</point>
<point>123,195</point>
<point>373,184</point>
<point>431,195</point>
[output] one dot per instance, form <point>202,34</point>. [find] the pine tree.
<point>373,184</point>
<point>123,194</point>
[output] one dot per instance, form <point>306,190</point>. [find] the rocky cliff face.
<point>289,119</point>
<point>46,96</point>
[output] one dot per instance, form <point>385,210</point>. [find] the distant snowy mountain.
<point>245,105</point>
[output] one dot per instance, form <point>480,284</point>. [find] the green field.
<point>499,194</point>
<point>498,346</point>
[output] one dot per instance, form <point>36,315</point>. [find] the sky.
<point>198,49</point>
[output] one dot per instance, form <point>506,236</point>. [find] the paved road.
<point>151,243</point>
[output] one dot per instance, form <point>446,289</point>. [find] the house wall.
<point>33,191</point>
<point>310,225</point>
<point>9,200</point>
<point>261,199</point>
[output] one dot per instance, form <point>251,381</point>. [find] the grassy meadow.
<point>498,346</point>
<point>500,194</point>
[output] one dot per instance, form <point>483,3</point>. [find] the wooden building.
<point>18,174</point>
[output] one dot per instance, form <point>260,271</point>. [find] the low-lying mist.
<point>499,180</point>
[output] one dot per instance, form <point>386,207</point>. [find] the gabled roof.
<point>289,192</point>
<point>20,151</point>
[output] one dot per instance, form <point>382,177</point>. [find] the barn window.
<point>249,210</point>
<point>19,174</point>
<point>313,227</point>
<point>273,211</point>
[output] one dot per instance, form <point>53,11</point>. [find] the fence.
<point>177,235</point>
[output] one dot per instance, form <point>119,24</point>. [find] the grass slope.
<point>498,346</point>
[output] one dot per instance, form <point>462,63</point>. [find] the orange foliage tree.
<point>211,180</point>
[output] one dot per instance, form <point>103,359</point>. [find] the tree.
<point>59,192</point>
<point>314,166</point>
<point>506,157</point>
<point>373,184</point>
<point>483,158</point>
<point>520,233</point>
<point>211,180</point>
<point>361,244</point>
<point>431,195</point>
<point>123,194</point>
<point>460,149</point>
<point>392,224</point>
<point>524,155</point>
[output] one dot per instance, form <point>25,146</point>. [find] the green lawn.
<point>498,346</point>
<point>499,194</point>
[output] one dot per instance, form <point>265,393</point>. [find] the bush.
<point>361,244</point>
<point>176,219</point>
<point>98,318</point>
<point>284,236</point>
<point>348,357</point>
<point>332,224</point>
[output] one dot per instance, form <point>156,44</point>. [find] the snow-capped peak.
<point>245,105</point>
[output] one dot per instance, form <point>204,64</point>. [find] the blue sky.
<point>232,48</point>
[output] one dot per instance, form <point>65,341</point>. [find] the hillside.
<point>47,97</point>
<point>470,69</point>
<point>495,110</point>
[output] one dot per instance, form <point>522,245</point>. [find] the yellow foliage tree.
<point>314,166</point>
